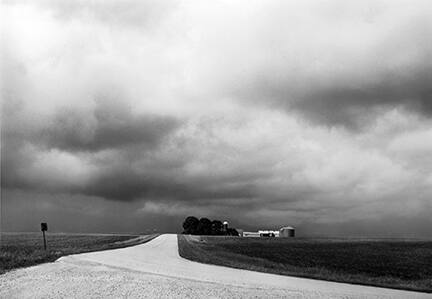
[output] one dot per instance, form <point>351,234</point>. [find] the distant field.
<point>26,249</point>
<point>387,263</point>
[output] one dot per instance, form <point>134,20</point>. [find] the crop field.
<point>401,264</point>
<point>26,249</point>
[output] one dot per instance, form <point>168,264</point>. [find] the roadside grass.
<point>399,264</point>
<point>26,249</point>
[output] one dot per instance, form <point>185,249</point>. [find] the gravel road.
<point>155,270</point>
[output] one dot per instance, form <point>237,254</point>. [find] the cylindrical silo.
<point>287,232</point>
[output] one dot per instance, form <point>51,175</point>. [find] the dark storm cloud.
<point>110,125</point>
<point>124,185</point>
<point>334,69</point>
<point>72,136</point>
<point>133,169</point>
<point>354,104</point>
<point>12,162</point>
<point>125,180</point>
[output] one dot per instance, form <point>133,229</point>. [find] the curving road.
<point>155,270</point>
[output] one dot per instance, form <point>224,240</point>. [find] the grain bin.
<point>225,226</point>
<point>287,232</point>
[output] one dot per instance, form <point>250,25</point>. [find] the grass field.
<point>398,264</point>
<point>26,249</point>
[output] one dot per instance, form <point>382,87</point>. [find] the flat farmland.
<point>392,263</point>
<point>26,249</point>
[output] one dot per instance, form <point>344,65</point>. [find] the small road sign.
<point>44,228</point>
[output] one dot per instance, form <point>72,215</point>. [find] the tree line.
<point>204,226</point>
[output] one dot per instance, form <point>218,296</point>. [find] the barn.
<point>284,232</point>
<point>268,233</point>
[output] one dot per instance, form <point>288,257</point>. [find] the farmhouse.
<point>283,232</point>
<point>251,234</point>
<point>268,233</point>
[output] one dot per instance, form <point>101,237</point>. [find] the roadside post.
<point>44,228</point>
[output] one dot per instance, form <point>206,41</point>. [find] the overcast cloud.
<point>133,115</point>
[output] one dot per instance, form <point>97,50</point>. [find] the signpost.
<point>44,228</point>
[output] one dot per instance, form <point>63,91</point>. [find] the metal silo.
<point>287,232</point>
<point>225,226</point>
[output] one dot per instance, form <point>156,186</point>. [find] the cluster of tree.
<point>204,226</point>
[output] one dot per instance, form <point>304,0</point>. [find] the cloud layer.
<point>301,112</point>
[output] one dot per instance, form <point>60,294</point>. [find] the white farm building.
<point>283,232</point>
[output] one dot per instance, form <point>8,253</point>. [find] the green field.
<point>26,249</point>
<point>402,264</point>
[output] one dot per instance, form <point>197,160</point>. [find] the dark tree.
<point>232,232</point>
<point>216,228</point>
<point>204,227</point>
<point>190,225</point>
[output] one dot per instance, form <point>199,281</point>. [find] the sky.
<point>128,116</point>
